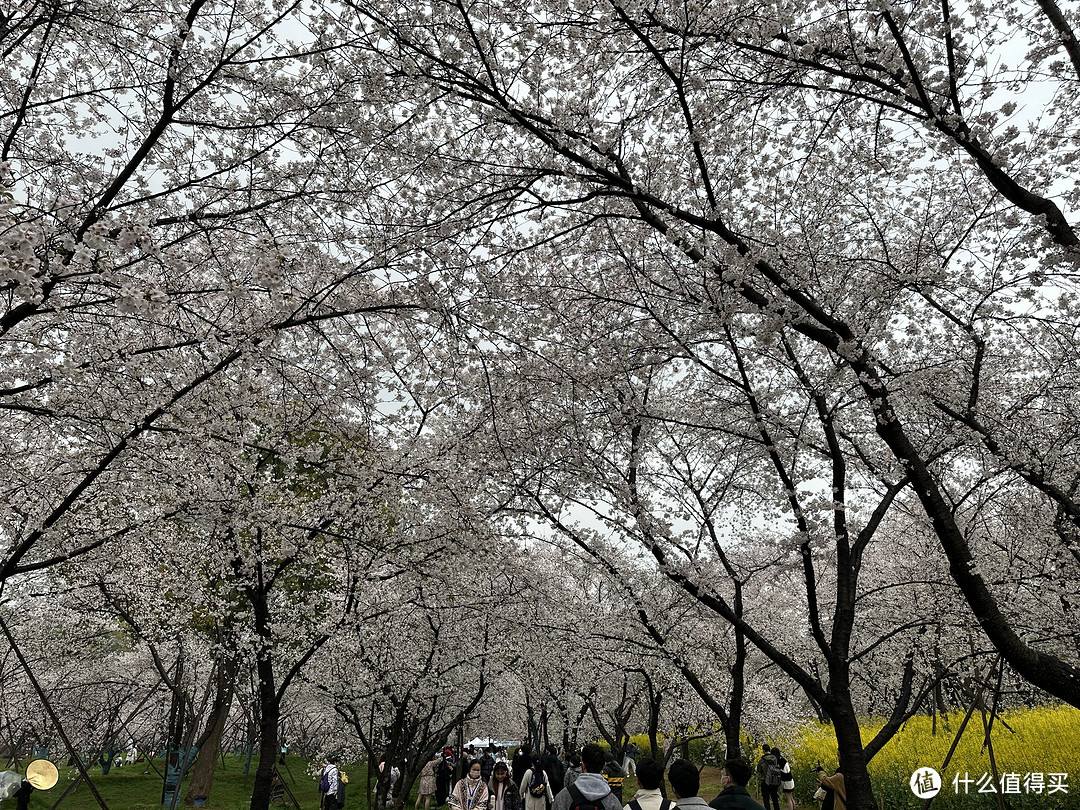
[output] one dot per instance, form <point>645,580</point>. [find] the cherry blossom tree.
<point>889,263</point>
<point>81,687</point>
<point>197,288</point>
<point>403,684</point>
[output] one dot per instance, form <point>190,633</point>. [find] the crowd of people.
<point>590,780</point>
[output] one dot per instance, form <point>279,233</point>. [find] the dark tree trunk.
<point>270,714</point>
<point>202,775</point>
<point>860,794</point>
<point>269,700</point>
<point>656,697</point>
<point>1056,676</point>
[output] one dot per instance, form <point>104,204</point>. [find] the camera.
<point>817,769</point>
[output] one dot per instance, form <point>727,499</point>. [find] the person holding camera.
<point>835,797</point>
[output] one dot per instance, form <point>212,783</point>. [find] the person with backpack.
<point>343,782</point>
<point>787,781</point>
<point>650,776</point>
<point>734,796</point>
<point>536,788</point>
<point>328,783</point>
<point>685,781</point>
<point>769,779</point>
<point>590,791</point>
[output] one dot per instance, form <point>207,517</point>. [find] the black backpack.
<point>579,802</point>
<point>774,775</point>
<point>537,787</point>
<point>665,804</point>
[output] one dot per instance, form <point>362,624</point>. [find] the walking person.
<point>650,776</point>
<point>444,777</point>
<point>521,762</point>
<point>685,781</point>
<point>392,776</point>
<point>590,787</point>
<point>734,796</point>
<point>787,781</point>
<point>768,779</point>
<point>329,782</point>
<point>470,793</point>
<point>536,788</point>
<point>573,769</point>
<point>487,764</point>
<point>504,793</point>
<point>614,774</point>
<point>553,768</point>
<point>629,762</point>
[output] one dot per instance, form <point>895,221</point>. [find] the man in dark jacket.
<point>615,776</point>
<point>487,764</point>
<point>553,768</point>
<point>734,778</point>
<point>768,781</point>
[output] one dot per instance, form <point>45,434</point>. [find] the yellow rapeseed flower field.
<point>1037,752</point>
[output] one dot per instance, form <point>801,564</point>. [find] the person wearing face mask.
<point>470,793</point>
<point>734,778</point>
<point>503,791</point>
<point>521,762</point>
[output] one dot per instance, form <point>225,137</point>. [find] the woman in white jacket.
<point>536,788</point>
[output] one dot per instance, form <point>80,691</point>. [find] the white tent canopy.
<point>484,742</point>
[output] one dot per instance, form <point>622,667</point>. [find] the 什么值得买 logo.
<point>925,783</point>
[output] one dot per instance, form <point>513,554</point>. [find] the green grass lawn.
<point>138,787</point>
